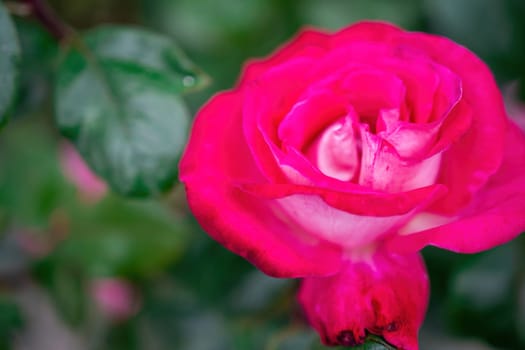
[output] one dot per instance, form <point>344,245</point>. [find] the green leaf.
<point>123,238</point>
<point>118,98</point>
<point>153,55</point>
<point>9,57</point>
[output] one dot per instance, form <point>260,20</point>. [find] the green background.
<point>190,292</point>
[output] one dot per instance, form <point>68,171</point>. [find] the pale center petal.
<point>313,216</point>
<point>335,151</point>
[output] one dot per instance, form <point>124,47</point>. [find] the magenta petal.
<point>266,102</point>
<point>335,152</point>
<point>242,223</point>
<point>350,220</point>
<point>468,164</point>
<point>495,216</point>
<point>213,131</point>
<point>359,201</point>
<point>383,169</point>
<point>307,117</point>
<point>384,295</point>
<point>470,161</point>
<point>247,226</point>
<point>370,90</point>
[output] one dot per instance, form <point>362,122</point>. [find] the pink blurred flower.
<point>90,187</point>
<point>115,298</point>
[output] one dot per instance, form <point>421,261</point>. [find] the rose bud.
<point>340,156</point>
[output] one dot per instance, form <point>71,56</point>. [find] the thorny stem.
<point>49,18</point>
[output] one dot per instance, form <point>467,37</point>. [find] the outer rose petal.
<point>386,295</point>
<point>495,216</point>
<point>238,220</point>
<point>271,101</point>
<point>468,164</point>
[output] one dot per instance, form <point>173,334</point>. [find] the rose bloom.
<point>340,156</point>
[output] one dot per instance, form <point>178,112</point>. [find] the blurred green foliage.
<point>9,56</point>
<point>189,292</point>
<point>116,98</point>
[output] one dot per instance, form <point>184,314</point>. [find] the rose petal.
<point>360,201</point>
<point>247,226</point>
<point>371,90</point>
<point>242,223</point>
<point>383,169</point>
<point>210,136</point>
<point>385,295</point>
<point>442,87</point>
<point>335,152</point>
<point>411,142</point>
<point>470,162</point>
<point>313,216</point>
<point>310,115</point>
<point>495,216</point>
<point>424,110</point>
<point>266,102</point>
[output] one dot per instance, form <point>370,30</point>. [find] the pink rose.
<point>341,155</point>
